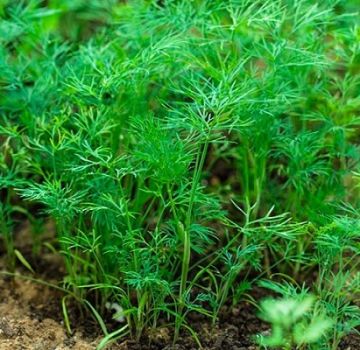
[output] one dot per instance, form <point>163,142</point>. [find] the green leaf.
<point>311,333</point>
<point>23,260</point>
<point>111,337</point>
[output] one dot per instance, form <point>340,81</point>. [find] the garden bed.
<point>31,320</point>
<point>31,315</point>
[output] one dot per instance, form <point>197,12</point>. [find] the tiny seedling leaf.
<point>23,260</point>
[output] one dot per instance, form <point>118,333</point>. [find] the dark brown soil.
<point>31,317</point>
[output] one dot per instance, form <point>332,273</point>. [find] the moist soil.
<point>31,316</point>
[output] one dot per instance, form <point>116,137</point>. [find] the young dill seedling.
<point>293,322</point>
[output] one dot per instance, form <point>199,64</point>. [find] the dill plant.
<point>290,326</point>
<point>115,120</point>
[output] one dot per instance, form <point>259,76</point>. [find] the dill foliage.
<point>186,150</point>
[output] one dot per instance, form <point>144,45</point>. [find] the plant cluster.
<point>185,150</point>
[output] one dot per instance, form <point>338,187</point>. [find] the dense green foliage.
<point>187,150</point>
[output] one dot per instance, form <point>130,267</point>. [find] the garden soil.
<point>31,317</point>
